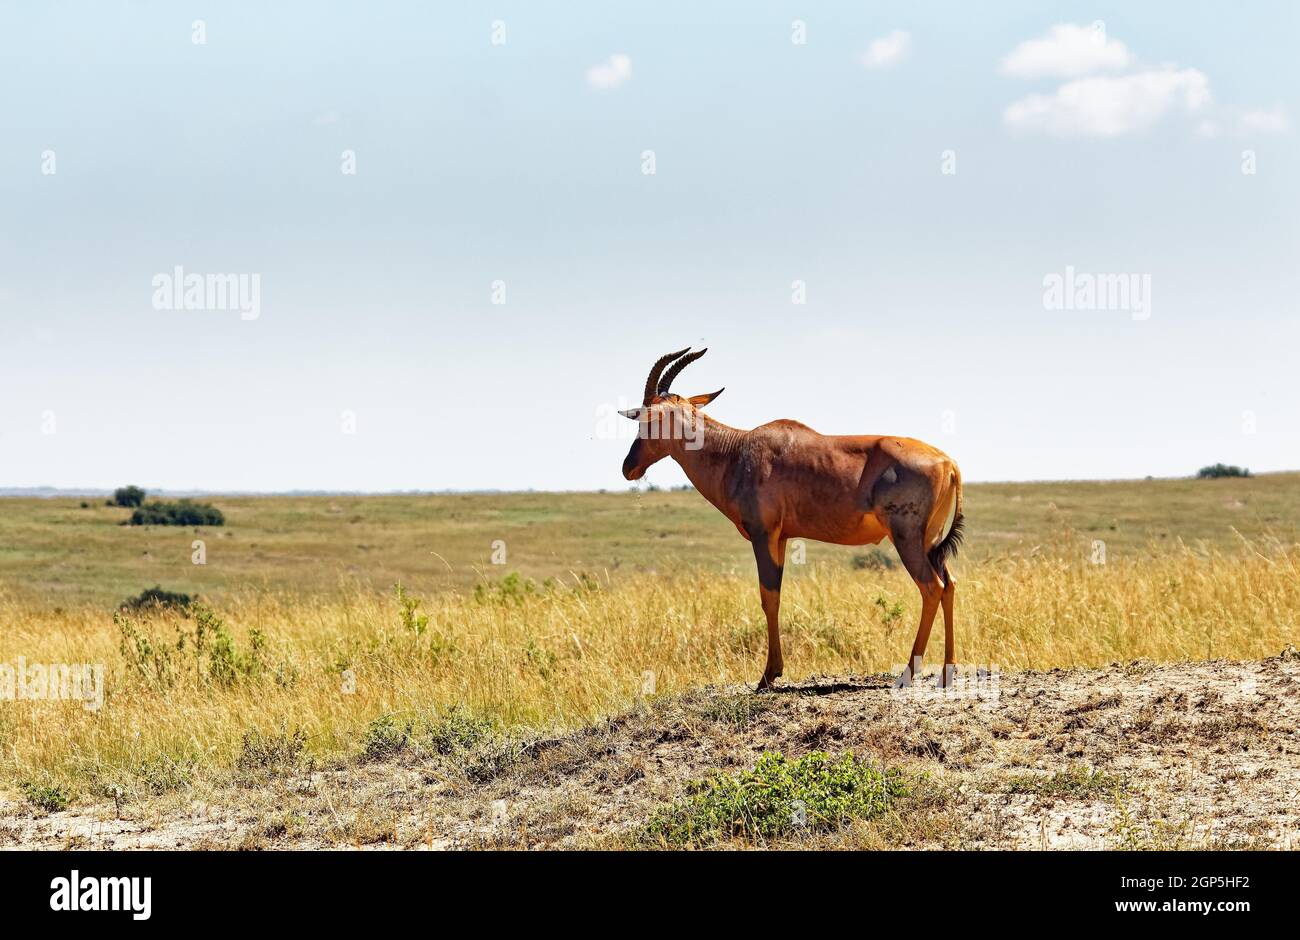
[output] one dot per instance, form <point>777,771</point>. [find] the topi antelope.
<point>783,480</point>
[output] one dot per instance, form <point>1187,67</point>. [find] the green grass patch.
<point>738,711</point>
<point>780,797</point>
<point>1078,782</point>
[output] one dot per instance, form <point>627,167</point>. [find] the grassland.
<point>54,552</point>
<point>305,653</point>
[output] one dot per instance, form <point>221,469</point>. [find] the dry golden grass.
<point>566,654</point>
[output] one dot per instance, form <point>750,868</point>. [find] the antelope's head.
<point>666,420</point>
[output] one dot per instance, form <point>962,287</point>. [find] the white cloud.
<point>610,74</point>
<point>324,120</point>
<point>887,51</point>
<point>1105,106</point>
<point>1267,122</point>
<point>1067,51</point>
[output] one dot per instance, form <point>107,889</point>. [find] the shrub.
<point>46,796</point>
<point>454,733</point>
<point>457,731</point>
<point>127,496</point>
<point>182,512</point>
<point>154,599</point>
<point>814,793</point>
<point>512,589</point>
<point>385,735</point>
<point>218,660</point>
<point>149,660</point>
<point>874,560</point>
<point>275,752</point>
<point>1221,470</point>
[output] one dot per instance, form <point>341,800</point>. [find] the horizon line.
<point>56,492</point>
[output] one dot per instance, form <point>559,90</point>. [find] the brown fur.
<point>783,480</point>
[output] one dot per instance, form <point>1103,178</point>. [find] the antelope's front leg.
<point>769,552</point>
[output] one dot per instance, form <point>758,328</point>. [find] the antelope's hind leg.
<point>909,541</point>
<point>949,653</point>
<point>905,499</point>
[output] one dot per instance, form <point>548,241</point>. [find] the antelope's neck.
<point>706,465</point>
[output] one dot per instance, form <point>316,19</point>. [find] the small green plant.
<point>1079,782</point>
<point>1145,832</point>
<point>779,797</point>
<point>216,653</point>
<point>277,751</point>
<point>412,620</point>
<point>738,711</point>
<point>512,589</point>
<point>181,512</point>
<point>217,657</point>
<point>491,759</point>
<point>890,611</point>
<point>540,658</point>
<point>150,661</point>
<point>47,796</point>
<point>1214,471</point>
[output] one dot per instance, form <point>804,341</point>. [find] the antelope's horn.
<point>652,382</point>
<point>667,381</point>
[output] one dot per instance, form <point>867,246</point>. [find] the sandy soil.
<point>1191,755</point>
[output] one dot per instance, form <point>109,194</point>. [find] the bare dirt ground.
<point>1188,755</point>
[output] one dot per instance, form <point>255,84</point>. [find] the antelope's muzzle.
<point>632,462</point>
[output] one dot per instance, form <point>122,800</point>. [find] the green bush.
<point>1221,470</point>
<point>127,496</point>
<point>874,560</point>
<point>384,736</point>
<point>814,793</point>
<point>155,598</point>
<point>454,733</point>
<point>182,512</point>
<point>47,796</point>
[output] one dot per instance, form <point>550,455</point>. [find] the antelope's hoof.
<point>765,685</point>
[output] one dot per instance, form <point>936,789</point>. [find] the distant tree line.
<point>1221,470</point>
<point>181,512</point>
<point>160,512</point>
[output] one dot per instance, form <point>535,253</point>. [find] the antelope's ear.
<point>699,401</point>
<point>633,413</point>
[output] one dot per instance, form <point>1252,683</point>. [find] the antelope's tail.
<point>947,548</point>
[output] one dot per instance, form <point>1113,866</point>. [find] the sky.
<point>468,230</point>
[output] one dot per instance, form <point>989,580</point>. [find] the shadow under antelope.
<point>783,480</point>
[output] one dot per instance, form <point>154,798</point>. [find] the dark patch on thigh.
<point>902,495</point>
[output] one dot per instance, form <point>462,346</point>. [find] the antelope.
<point>783,480</point>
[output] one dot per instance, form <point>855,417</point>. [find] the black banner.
<point>330,889</point>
